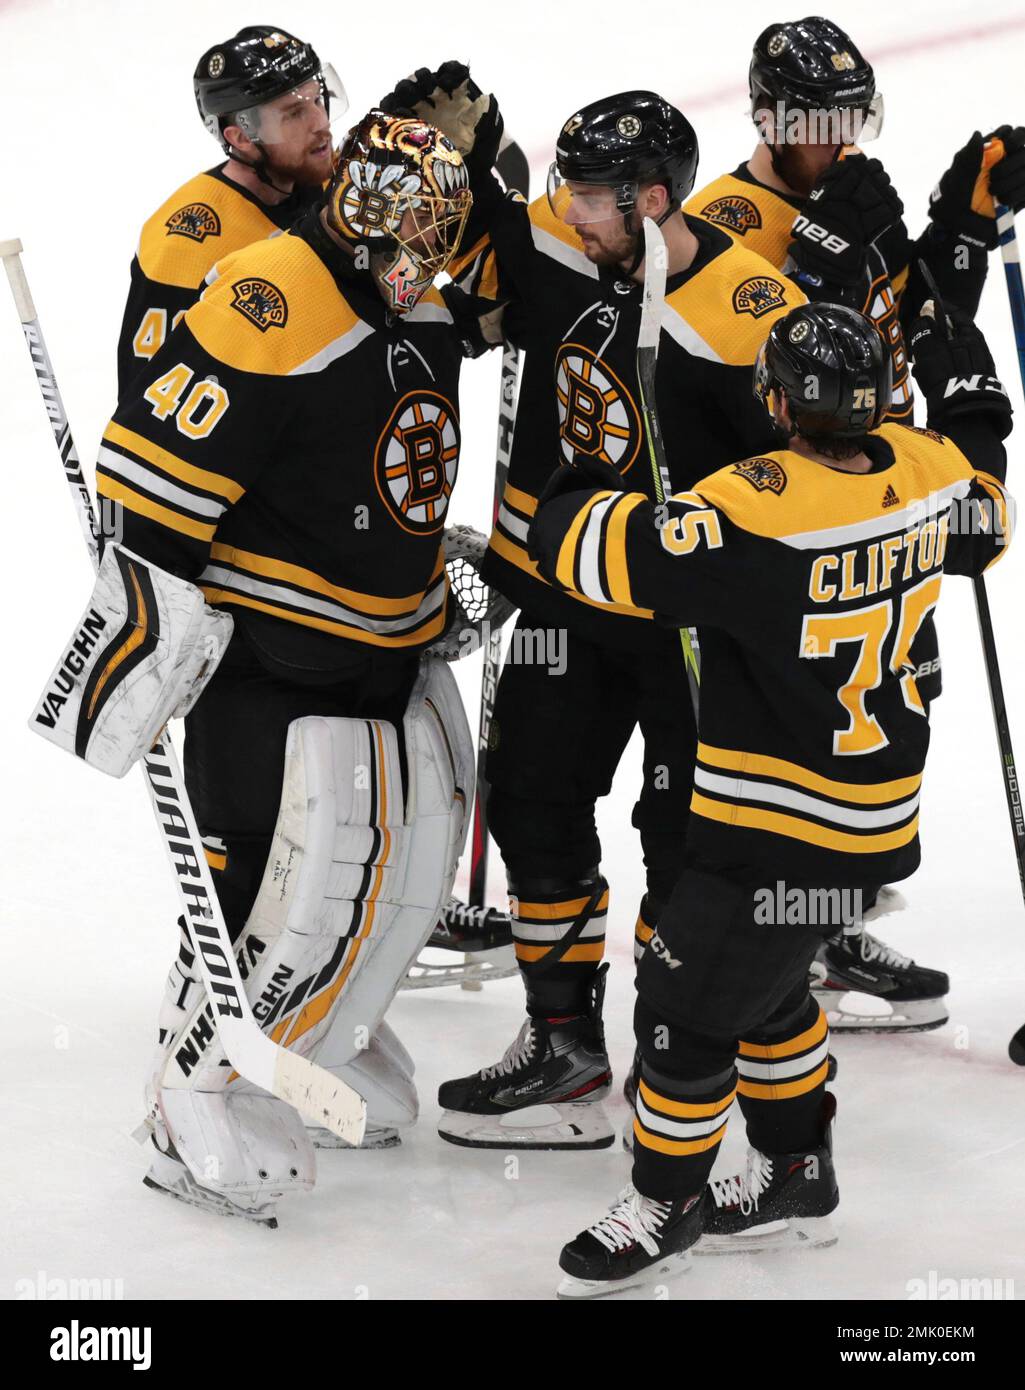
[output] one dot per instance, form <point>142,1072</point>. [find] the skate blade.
<point>184,1193</point>
<point>584,1126</point>
<point>905,1016</point>
<point>795,1233</point>
<point>668,1268</point>
<point>477,968</point>
<point>372,1139</point>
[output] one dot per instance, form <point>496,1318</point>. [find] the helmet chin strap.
<point>259,168</point>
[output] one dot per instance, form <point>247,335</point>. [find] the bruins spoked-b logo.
<point>758,296</point>
<point>734,212</point>
<point>197,221</point>
<point>416,460</point>
<point>597,414</point>
<point>260,302</point>
<point>763,474</point>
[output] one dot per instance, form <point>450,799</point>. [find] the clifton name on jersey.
<point>809,584</point>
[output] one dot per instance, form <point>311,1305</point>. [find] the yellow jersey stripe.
<point>685,1110</point>
<point>427,633</point>
<point>809,1038</point>
<point>307,579</point>
<point>774,1090</point>
<point>552,912</point>
<point>516,554</point>
<point>677,1148</point>
<point>865,794</point>
<point>149,452</point>
<point>615,550</point>
<point>142,506</point>
<point>796,829</point>
<point>566,563</point>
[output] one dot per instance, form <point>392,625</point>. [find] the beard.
<point>308,171</point>
<point>609,252</point>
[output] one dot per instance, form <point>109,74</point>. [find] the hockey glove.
<point>852,204</point>
<point>141,654</point>
<point>953,368</point>
<point>961,203</point>
<point>451,100</point>
<point>1007,175</point>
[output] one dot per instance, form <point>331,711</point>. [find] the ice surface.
<point>931,1135</point>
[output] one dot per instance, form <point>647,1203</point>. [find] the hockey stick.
<point>515,172</point>
<point>473,927</point>
<point>314,1092</point>
<point>656,263</point>
<point>1012,789</point>
<point>1012,792</point>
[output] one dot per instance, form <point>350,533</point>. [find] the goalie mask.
<point>400,190</point>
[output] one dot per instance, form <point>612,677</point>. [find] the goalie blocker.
<point>141,654</point>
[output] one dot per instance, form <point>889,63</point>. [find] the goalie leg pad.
<point>439,759</point>
<point>246,1146</point>
<point>354,881</point>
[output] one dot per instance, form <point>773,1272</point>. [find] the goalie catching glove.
<point>141,654</point>
<point>450,100</point>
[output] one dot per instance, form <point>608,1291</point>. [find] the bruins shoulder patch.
<point>260,302</point>
<point>734,212</point>
<point>758,295</point>
<point>929,434</point>
<point>196,221</point>
<point>762,474</point>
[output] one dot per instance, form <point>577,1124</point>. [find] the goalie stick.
<point>314,1092</point>
<point>473,927</point>
<point>655,271</point>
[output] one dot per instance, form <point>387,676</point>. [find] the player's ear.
<point>238,140</point>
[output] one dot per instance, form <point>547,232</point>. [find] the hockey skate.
<point>639,1241</point>
<point>482,935</point>
<point>853,963</point>
<point>545,1093</point>
<point>782,1202</point>
<point>167,1173</point>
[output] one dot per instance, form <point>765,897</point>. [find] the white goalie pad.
<point>142,654</point>
<point>355,879</point>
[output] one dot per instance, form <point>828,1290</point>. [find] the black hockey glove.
<point>1007,176</point>
<point>451,100</point>
<point>961,202</point>
<point>479,322</point>
<point>953,368</point>
<point>852,204</point>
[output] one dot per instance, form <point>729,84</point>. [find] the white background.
<point>97,127</point>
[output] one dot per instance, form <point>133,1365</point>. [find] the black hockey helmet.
<point>834,367</point>
<point>623,141</point>
<point>812,64</point>
<point>258,64</point>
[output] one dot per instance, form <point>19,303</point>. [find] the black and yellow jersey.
<point>578,395</point>
<point>292,448</point>
<point>891,290</point>
<point>202,222</point>
<point>808,584</point>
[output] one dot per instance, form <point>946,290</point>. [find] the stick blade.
<point>320,1097</point>
<point>655,264</point>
